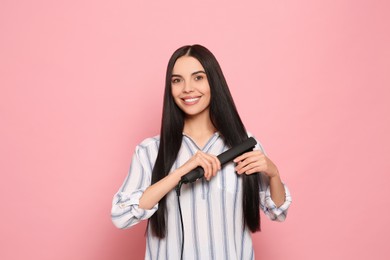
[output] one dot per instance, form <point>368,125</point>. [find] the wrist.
<point>274,175</point>
<point>180,172</point>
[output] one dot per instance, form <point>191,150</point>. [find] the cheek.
<point>207,96</point>
<point>205,88</point>
<point>207,92</point>
<point>174,92</point>
<point>175,95</point>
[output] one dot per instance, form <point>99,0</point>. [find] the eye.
<point>175,80</point>
<point>199,77</point>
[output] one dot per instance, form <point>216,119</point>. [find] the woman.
<point>220,210</point>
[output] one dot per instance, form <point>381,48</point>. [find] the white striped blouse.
<point>212,211</point>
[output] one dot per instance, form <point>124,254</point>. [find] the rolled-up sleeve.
<point>266,203</point>
<point>125,211</point>
<point>269,206</point>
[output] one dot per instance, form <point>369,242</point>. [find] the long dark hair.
<point>225,118</point>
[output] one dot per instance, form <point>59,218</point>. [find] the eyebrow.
<point>193,73</point>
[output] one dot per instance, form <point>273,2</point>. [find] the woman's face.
<point>190,87</point>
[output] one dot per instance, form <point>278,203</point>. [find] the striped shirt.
<point>212,210</point>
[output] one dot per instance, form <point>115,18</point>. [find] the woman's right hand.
<point>210,164</point>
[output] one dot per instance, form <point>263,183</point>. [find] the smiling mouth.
<point>191,100</point>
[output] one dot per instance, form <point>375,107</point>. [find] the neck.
<point>199,128</point>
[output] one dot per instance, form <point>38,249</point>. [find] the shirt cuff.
<point>274,212</point>
<point>131,203</point>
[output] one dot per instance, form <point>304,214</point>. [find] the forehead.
<point>186,65</point>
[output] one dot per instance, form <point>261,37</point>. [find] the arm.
<point>278,193</point>
<point>275,198</point>
<point>256,161</point>
<point>154,193</point>
<point>125,211</point>
<point>137,200</point>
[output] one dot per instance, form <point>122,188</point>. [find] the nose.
<point>187,87</point>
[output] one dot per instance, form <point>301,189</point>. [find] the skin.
<point>255,161</point>
<point>191,92</point>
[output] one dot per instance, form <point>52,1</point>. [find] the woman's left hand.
<point>255,161</point>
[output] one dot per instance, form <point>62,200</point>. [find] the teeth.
<point>191,99</point>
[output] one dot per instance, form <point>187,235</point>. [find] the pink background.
<point>82,82</point>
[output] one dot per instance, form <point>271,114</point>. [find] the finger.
<point>217,165</point>
<point>238,167</point>
<point>256,166</point>
<point>207,167</point>
<point>214,164</point>
<point>239,161</point>
<point>256,159</point>
<point>244,156</point>
<point>251,159</point>
<point>241,157</point>
<point>252,171</point>
<point>209,163</point>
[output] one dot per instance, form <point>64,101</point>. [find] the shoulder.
<point>149,141</point>
<point>148,149</point>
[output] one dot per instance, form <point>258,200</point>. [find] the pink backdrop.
<point>82,82</point>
